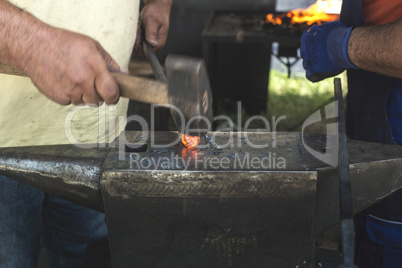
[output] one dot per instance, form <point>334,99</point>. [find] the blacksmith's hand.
<point>154,21</point>
<point>324,50</point>
<point>71,68</point>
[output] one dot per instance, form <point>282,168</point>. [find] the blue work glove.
<point>324,50</point>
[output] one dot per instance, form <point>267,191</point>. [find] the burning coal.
<point>315,14</point>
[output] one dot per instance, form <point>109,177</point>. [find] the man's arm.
<point>154,20</point>
<point>331,48</point>
<point>65,66</point>
<point>378,48</point>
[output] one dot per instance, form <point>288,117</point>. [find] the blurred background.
<point>249,60</point>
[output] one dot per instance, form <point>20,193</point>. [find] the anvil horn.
<point>375,171</point>
<point>64,171</point>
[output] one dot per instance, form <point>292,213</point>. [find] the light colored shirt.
<point>27,117</point>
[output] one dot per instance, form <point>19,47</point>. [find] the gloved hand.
<point>324,50</point>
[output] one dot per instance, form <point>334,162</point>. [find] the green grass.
<point>297,98</point>
<point>294,97</point>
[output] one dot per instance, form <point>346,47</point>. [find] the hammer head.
<point>189,94</point>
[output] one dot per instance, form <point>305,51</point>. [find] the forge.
<point>236,47</point>
<point>226,203</point>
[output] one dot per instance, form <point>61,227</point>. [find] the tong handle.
<point>154,62</point>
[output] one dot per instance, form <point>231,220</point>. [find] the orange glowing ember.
<point>314,14</point>
<point>190,141</point>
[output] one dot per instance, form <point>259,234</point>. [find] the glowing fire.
<point>313,14</point>
<point>190,141</point>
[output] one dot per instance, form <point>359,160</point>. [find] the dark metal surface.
<point>186,214</point>
<point>284,152</point>
<point>65,171</point>
<point>198,216</point>
<point>247,219</point>
<point>181,202</point>
<point>154,62</point>
<point>345,187</point>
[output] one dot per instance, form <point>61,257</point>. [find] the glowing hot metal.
<point>190,141</point>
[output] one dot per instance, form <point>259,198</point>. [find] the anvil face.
<point>228,204</point>
<point>219,151</point>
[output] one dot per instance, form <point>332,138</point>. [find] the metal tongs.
<point>345,188</point>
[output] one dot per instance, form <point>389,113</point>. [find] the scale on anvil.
<point>185,215</point>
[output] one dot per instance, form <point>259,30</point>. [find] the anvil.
<point>248,199</point>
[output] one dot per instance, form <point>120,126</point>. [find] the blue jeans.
<point>29,216</point>
<point>378,239</point>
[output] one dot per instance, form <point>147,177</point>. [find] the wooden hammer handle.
<point>132,87</point>
<point>142,89</point>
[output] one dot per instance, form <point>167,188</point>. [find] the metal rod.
<point>154,62</point>
<point>345,188</point>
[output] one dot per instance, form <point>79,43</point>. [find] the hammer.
<point>185,91</point>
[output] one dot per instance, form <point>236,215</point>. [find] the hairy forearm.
<point>65,66</point>
<point>378,48</point>
<point>17,30</point>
